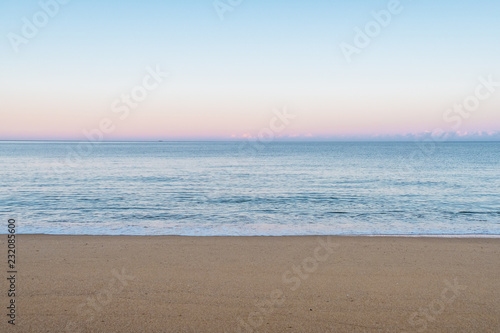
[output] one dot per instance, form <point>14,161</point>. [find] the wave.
<point>472,212</point>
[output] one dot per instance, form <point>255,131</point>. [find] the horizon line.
<point>253,140</point>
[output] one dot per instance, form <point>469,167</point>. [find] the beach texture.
<point>254,284</point>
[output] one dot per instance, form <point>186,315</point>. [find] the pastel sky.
<point>230,70</point>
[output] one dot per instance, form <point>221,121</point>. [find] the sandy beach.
<point>254,284</point>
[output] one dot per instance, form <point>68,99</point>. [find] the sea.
<point>248,188</point>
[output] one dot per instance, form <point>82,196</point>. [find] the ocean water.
<point>243,188</point>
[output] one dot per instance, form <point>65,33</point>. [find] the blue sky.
<point>226,76</point>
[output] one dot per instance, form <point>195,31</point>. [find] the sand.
<point>253,284</point>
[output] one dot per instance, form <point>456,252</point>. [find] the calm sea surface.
<point>234,188</point>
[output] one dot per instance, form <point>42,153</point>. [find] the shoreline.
<point>461,236</point>
<point>255,284</point>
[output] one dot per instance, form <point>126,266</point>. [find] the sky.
<point>227,69</point>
